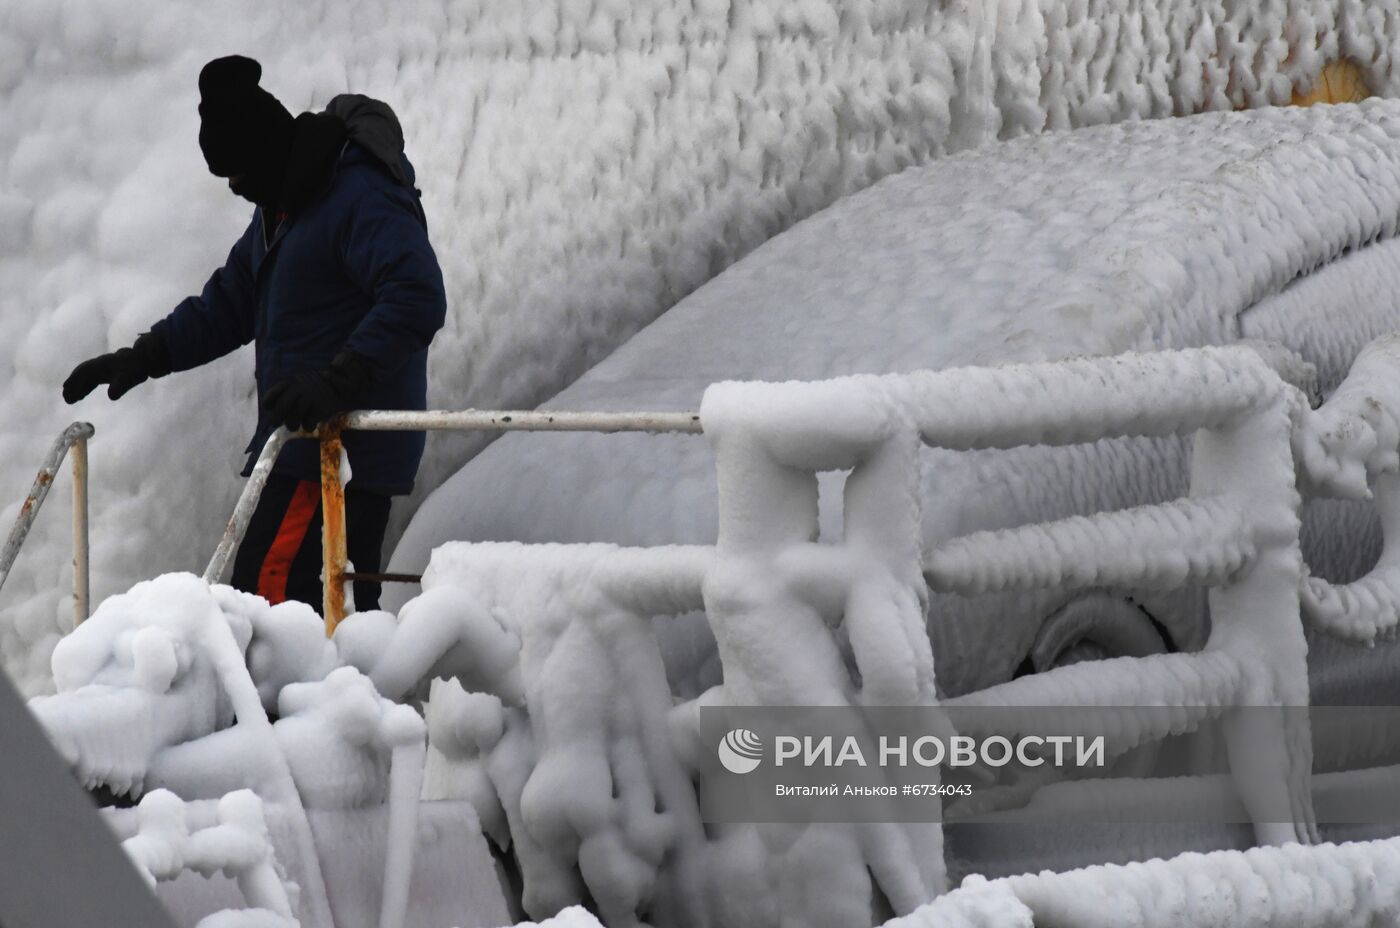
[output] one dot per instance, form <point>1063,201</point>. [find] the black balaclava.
<point>244,132</point>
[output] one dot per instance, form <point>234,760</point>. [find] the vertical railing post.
<point>247,503</point>
<point>29,509</point>
<point>80,531</point>
<point>333,550</point>
<point>1256,618</point>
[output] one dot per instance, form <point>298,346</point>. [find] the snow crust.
<point>583,165</point>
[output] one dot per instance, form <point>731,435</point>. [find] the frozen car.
<point>1274,226</point>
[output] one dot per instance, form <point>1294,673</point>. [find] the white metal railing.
<point>332,493</point>
<point>76,437</point>
<point>1236,531</point>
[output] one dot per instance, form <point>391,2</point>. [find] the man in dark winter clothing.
<point>335,282</point>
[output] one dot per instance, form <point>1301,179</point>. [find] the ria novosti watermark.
<point>741,751</point>
<point>1101,764</point>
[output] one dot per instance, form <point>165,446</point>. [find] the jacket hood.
<point>373,126</point>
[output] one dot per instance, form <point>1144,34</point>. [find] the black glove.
<point>303,401</point>
<point>122,369</point>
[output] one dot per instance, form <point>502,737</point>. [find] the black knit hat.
<point>242,127</point>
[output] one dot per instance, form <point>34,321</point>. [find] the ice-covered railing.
<point>581,761</point>
<point>168,843</point>
<point>1348,884</point>
<point>803,621</point>
<point>1236,531</point>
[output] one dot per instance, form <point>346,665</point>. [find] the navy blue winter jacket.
<point>353,269</point>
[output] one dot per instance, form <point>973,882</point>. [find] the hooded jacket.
<point>349,267</point>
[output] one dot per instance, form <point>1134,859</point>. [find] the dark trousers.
<point>280,557</point>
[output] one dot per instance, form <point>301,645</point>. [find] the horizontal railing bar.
<point>1184,682</point>
<point>1085,399</point>
<point>392,420</point>
<point>1164,546</point>
<point>384,420</point>
<point>382,578</point>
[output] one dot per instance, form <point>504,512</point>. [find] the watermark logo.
<point>741,751</point>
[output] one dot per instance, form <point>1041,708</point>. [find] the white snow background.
<point>584,165</point>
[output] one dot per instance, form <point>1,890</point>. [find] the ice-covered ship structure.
<point>1273,231</point>
<point>1104,418</point>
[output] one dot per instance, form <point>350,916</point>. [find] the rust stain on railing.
<point>41,486</point>
<point>333,548</point>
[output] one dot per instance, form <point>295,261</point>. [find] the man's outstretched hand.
<point>120,370</point>
<point>304,401</point>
